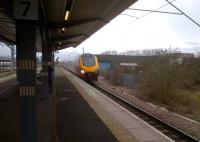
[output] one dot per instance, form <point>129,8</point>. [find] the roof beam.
<point>61,38</point>
<point>72,23</point>
<point>43,23</point>
<point>65,44</point>
<point>6,39</point>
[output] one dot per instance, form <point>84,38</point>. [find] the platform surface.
<point>81,113</point>
<point>124,125</point>
<point>7,78</point>
<point>77,122</point>
<point>10,115</point>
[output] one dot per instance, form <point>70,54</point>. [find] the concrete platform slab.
<point>7,78</point>
<point>77,122</point>
<point>125,125</point>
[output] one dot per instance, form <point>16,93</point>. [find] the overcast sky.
<point>156,30</point>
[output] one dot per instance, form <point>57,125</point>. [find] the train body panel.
<point>85,66</point>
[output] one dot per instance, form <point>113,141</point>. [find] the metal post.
<point>12,50</point>
<point>12,57</point>
<point>53,57</point>
<point>26,75</point>
<point>46,57</point>
<point>83,50</point>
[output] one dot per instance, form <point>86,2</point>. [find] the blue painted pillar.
<point>26,76</point>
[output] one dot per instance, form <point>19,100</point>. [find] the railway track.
<point>170,131</point>
<point>5,72</point>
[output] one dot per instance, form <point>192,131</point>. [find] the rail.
<point>170,131</point>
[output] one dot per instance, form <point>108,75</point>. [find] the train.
<point>85,66</point>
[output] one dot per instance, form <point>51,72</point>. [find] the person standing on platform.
<point>50,76</point>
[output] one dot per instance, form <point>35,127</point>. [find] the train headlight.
<point>82,71</point>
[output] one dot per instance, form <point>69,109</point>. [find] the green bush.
<point>163,79</point>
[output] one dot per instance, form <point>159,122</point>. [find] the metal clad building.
<point>108,61</point>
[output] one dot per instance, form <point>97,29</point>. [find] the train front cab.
<point>89,67</point>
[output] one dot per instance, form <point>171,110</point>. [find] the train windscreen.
<point>88,60</point>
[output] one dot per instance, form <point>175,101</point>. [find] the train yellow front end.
<point>89,67</point>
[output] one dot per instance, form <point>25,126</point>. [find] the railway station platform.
<point>71,119</point>
<point>75,112</point>
<point>125,126</point>
<point>33,26</point>
<point>77,121</point>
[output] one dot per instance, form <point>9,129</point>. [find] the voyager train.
<point>85,66</point>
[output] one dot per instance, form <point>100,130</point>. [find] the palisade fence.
<point>7,62</point>
<point>129,80</point>
<point>124,79</point>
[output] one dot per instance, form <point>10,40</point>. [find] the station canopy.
<point>69,22</point>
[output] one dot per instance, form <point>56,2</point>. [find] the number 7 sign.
<point>26,9</point>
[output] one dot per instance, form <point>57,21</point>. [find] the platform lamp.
<point>68,7</point>
<point>66,15</point>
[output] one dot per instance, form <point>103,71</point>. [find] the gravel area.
<point>185,124</point>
